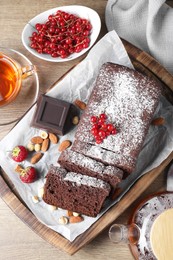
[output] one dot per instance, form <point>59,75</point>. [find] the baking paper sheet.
<point>77,84</point>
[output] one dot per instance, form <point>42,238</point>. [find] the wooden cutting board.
<point>148,65</point>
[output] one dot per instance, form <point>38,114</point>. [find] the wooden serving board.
<point>148,65</point>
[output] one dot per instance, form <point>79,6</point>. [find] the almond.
<point>64,145</point>
<point>80,104</point>
<point>36,157</point>
<point>76,219</point>
<point>53,138</point>
<point>45,145</point>
<point>158,121</point>
<point>37,140</point>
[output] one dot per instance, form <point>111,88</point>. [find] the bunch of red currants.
<point>61,35</point>
<point>101,129</point>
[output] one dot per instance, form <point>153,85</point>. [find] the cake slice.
<point>80,163</point>
<point>129,100</point>
<point>75,192</point>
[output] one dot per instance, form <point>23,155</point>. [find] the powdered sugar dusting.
<point>80,179</point>
<point>108,157</point>
<point>129,100</point>
<point>77,178</point>
<point>80,160</point>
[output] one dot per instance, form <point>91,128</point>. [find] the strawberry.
<point>28,175</point>
<point>19,153</point>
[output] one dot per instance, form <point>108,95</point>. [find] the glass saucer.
<point>28,94</point>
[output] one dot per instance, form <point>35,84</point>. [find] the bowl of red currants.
<point>62,34</point>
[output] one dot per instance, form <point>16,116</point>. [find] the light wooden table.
<point>17,241</point>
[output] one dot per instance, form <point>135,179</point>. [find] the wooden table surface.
<point>17,241</point>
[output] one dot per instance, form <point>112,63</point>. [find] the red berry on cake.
<point>114,131</point>
<point>110,127</point>
<point>103,116</point>
<point>94,119</point>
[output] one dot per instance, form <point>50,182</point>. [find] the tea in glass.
<point>10,79</point>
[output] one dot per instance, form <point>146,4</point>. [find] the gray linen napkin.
<point>148,24</point>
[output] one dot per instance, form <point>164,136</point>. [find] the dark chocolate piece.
<point>54,115</point>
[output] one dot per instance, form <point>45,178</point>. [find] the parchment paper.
<point>77,84</point>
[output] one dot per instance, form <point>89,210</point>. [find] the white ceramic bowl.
<point>81,11</point>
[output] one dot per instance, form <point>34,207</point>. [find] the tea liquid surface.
<point>9,80</point>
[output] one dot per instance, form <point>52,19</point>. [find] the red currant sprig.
<point>61,35</point>
<point>101,129</point>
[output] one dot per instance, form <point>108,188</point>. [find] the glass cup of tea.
<point>11,76</point>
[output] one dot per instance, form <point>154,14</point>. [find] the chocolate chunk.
<point>54,115</point>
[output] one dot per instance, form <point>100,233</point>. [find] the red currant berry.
<point>104,126</point>
<point>114,131</point>
<point>95,126</point>
<point>103,116</point>
<point>107,133</point>
<point>94,131</point>
<point>101,121</point>
<point>110,127</point>
<point>94,119</point>
<point>102,133</point>
<point>98,141</point>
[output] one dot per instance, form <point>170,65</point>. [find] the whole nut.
<point>158,121</point>
<point>36,157</point>
<point>63,220</point>
<point>30,147</point>
<point>75,214</point>
<point>44,134</point>
<point>52,207</point>
<point>53,138</point>
<point>64,145</point>
<point>75,120</point>
<point>80,104</point>
<point>69,213</point>
<point>35,199</point>
<point>76,219</point>
<point>45,145</point>
<point>37,147</point>
<point>37,140</point>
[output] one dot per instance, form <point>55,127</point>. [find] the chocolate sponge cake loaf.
<point>128,99</point>
<point>75,192</point>
<point>76,162</point>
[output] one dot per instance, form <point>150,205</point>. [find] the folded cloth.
<point>148,24</point>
